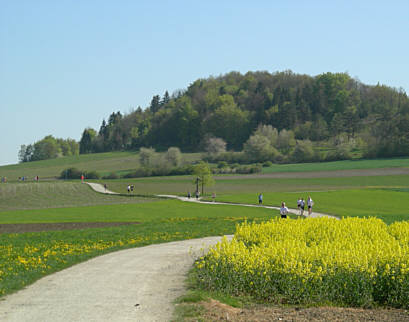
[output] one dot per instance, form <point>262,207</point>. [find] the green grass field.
<point>387,205</point>
<point>103,163</point>
<point>56,194</point>
<point>25,257</point>
<point>180,185</point>
<point>140,212</point>
<point>339,165</point>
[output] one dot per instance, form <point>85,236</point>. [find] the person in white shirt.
<point>302,206</point>
<point>283,210</point>
<point>310,203</point>
<point>299,205</point>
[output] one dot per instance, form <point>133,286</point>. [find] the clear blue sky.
<point>67,65</point>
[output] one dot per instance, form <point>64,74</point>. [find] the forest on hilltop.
<point>282,110</point>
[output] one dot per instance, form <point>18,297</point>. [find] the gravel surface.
<point>137,284</point>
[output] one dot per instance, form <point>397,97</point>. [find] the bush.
<point>303,152</point>
<point>71,173</point>
<point>92,175</point>
<point>162,171</point>
<point>173,157</point>
<point>267,164</point>
<point>249,168</point>
<point>222,164</point>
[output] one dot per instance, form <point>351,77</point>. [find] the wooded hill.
<point>330,109</point>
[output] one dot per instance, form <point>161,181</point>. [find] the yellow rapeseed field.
<point>353,261</point>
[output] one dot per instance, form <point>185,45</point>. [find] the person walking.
<point>299,205</point>
<point>260,199</point>
<point>283,210</point>
<point>188,195</point>
<point>214,196</point>
<point>105,187</point>
<point>129,188</point>
<point>197,195</point>
<point>302,206</point>
<point>310,203</point>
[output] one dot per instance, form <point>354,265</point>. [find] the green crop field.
<point>339,165</point>
<point>249,184</point>
<point>141,212</point>
<point>387,205</point>
<point>25,257</point>
<point>54,194</point>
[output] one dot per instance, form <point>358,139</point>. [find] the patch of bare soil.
<point>216,311</point>
<point>323,174</point>
<point>28,228</point>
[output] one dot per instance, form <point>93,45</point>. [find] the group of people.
<point>130,188</point>
<point>197,194</point>
<point>300,206</point>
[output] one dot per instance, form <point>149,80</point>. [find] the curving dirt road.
<point>137,284</point>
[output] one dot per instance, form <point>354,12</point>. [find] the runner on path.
<point>310,203</point>
<point>283,210</point>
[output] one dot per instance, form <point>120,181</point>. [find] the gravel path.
<point>290,210</point>
<point>138,284</point>
<point>100,188</point>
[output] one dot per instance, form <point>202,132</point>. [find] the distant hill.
<point>232,106</point>
<point>331,109</point>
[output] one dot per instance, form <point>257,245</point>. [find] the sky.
<point>67,65</point>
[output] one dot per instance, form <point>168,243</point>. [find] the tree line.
<point>298,111</point>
